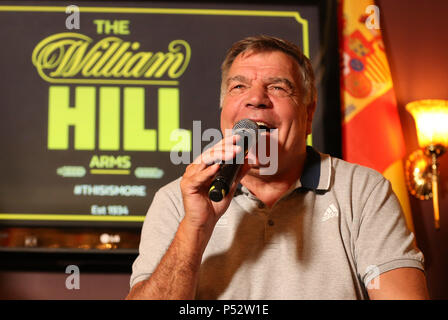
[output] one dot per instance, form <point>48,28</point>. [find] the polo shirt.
<point>335,230</point>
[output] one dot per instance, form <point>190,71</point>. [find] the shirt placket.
<point>269,224</point>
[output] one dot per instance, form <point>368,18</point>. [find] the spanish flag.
<point>371,128</point>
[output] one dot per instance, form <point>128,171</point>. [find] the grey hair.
<point>265,43</point>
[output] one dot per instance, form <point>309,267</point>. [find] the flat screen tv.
<point>102,103</point>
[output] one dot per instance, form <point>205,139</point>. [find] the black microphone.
<point>227,173</point>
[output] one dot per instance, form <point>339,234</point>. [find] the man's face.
<point>267,88</point>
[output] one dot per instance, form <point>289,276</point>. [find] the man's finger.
<point>221,155</point>
<point>225,143</point>
<point>195,180</point>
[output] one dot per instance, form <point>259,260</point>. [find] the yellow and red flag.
<point>371,128</point>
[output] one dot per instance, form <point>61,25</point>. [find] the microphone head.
<point>248,130</point>
<point>245,124</point>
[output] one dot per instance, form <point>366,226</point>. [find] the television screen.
<point>102,103</point>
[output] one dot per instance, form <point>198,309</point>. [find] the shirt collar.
<point>316,173</point>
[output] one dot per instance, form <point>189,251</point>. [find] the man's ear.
<point>310,114</point>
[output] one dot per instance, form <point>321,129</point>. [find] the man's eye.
<point>277,88</point>
<point>237,87</point>
<point>280,91</point>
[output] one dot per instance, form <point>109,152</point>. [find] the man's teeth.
<point>263,125</point>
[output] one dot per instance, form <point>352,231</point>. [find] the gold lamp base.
<point>422,176</point>
<point>419,175</point>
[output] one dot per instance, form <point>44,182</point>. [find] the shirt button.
<point>271,222</point>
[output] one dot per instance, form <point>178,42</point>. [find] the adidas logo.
<point>331,212</point>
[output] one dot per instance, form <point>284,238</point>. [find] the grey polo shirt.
<point>338,228</point>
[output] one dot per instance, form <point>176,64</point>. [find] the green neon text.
<point>82,116</point>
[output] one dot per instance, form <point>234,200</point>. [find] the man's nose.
<point>258,98</point>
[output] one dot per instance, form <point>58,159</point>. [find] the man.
<point>318,228</point>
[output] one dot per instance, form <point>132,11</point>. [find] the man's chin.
<point>258,169</point>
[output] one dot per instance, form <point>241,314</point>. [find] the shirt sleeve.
<point>160,225</point>
<point>384,242</point>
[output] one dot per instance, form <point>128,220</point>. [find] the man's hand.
<point>200,211</point>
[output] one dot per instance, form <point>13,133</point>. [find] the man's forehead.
<point>276,64</point>
<point>246,57</point>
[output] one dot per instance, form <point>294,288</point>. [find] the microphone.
<point>227,173</point>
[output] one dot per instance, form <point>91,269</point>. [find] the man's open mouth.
<point>265,126</point>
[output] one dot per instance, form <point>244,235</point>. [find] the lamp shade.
<point>431,119</point>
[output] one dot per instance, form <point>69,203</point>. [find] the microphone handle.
<point>223,181</point>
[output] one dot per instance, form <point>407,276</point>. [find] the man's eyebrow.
<point>281,80</point>
<point>238,78</point>
<point>271,80</point>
